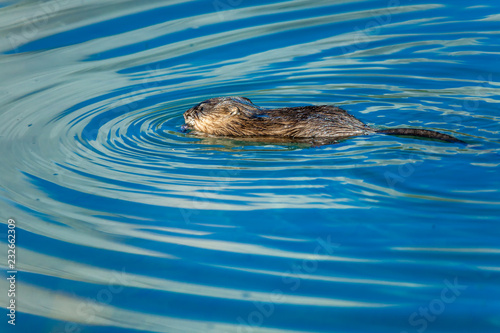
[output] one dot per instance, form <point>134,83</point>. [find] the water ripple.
<point>125,222</point>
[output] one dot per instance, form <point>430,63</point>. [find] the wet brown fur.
<point>239,117</point>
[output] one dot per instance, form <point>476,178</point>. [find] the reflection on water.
<point>124,223</point>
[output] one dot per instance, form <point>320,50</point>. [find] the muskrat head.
<point>221,116</point>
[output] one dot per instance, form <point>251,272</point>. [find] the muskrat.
<point>239,117</point>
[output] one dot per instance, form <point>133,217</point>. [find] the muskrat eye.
<point>234,110</point>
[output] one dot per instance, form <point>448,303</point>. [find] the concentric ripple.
<point>125,223</point>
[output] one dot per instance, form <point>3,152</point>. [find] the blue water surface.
<point>124,223</point>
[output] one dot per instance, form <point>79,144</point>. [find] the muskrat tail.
<point>421,133</point>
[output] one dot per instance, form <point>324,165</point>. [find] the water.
<point>125,224</point>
